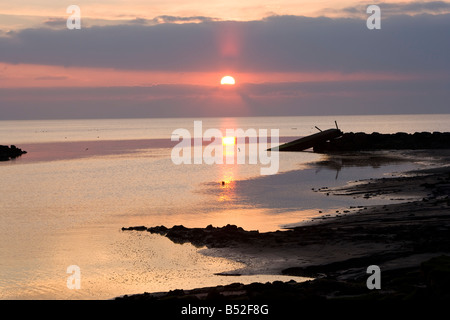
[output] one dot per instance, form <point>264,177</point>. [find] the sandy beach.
<point>408,241</point>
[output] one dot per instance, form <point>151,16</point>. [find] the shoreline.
<point>401,238</point>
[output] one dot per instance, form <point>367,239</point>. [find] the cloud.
<point>392,9</point>
<point>51,78</point>
<point>178,19</point>
<point>61,23</point>
<point>55,22</point>
<point>141,21</point>
<point>389,9</point>
<point>160,20</point>
<point>277,43</point>
<point>416,7</point>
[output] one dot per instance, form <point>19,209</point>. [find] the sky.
<point>166,58</point>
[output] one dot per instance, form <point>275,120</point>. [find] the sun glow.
<point>227,80</point>
<point>228,141</point>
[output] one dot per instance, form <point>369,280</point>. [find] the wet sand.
<point>409,242</point>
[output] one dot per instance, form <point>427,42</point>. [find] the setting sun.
<point>228,141</point>
<point>227,80</point>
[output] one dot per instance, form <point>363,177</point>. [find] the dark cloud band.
<point>279,43</point>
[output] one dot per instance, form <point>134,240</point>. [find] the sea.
<point>65,201</point>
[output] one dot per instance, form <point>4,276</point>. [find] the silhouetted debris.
<point>309,141</point>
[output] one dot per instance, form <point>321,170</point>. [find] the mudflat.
<point>408,241</point>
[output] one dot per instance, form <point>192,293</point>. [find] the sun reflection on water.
<point>227,184</point>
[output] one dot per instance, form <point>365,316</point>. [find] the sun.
<point>227,80</point>
<point>228,141</point>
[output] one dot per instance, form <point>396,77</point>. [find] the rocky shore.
<point>409,242</point>
<point>376,141</point>
<point>8,153</point>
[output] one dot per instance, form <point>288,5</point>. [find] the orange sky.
<point>29,75</point>
<point>270,53</point>
<point>30,13</point>
<point>121,9</point>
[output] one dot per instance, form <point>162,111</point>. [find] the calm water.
<point>65,202</point>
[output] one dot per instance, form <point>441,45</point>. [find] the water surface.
<point>65,202</point>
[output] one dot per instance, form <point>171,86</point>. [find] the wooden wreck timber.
<point>309,141</point>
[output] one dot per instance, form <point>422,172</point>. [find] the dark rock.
<point>179,228</point>
<point>176,293</point>
<point>215,295</point>
<point>8,153</point>
<point>428,281</point>
<point>376,141</point>
<point>162,230</point>
<point>437,276</point>
<point>140,228</point>
<point>210,236</point>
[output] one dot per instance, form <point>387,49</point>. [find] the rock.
<point>162,230</point>
<point>210,236</point>
<point>8,153</point>
<point>376,141</point>
<point>140,228</point>
<point>437,274</point>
